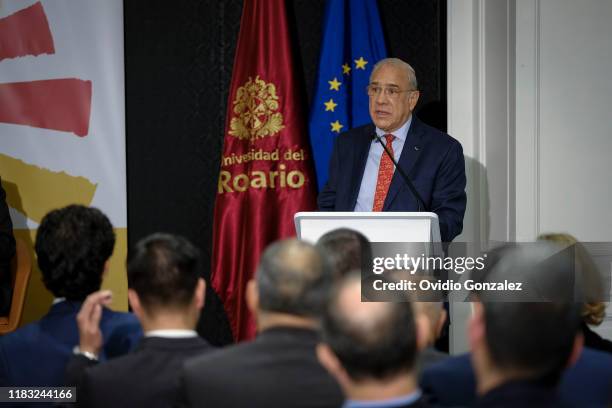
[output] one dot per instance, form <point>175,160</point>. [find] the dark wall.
<point>178,63</point>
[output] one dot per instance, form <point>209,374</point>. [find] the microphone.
<point>420,203</point>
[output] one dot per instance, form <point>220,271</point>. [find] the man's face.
<point>388,110</point>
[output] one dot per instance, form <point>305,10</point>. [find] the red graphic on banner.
<point>56,104</point>
<point>25,32</point>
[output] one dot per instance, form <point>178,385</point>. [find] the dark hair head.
<point>532,337</point>
<point>371,339</point>
<point>293,277</point>
<point>347,250</point>
<point>164,270</point>
<point>72,246</point>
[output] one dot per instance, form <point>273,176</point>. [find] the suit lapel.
<point>410,154</point>
<point>362,149</point>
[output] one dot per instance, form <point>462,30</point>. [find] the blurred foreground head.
<point>369,342</point>
<point>293,279</point>
<point>531,336</point>
<point>594,310</point>
<point>73,245</point>
<point>346,249</point>
<point>164,275</point>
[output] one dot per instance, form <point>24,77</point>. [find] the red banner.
<point>266,170</point>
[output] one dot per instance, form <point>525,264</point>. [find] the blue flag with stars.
<point>352,43</point>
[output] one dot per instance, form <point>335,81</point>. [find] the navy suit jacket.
<point>147,377</point>
<point>587,383</point>
<point>432,160</point>
<point>37,354</point>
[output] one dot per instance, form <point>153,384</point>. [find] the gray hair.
<point>294,278</point>
<point>399,64</point>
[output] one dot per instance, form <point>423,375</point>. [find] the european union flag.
<point>352,43</point>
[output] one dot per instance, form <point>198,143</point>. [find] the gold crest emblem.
<point>256,107</point>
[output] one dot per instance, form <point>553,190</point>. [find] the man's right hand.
<point>88,320</point>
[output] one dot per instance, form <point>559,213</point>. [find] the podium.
<point>416,227</point>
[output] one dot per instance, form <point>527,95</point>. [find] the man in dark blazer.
<point>521,348</point>
<point>7,251</point>
<point>166,293</point>
<point>588,382</point>
<point>371,348</point>
<point>279,368</point>
<point>361,176</point>
<point>73,246</point>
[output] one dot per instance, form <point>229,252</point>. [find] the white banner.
<point>62,121</point>
<point>62,114</point>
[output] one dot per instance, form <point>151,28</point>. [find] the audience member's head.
<point>435,314</point>
<point>524,340</point>
<point>370,345</point>
<point>73,245</point>
<point>346,249</point>
<point>164,277</point>
<point>593,311</point>
<point>293,280</point>
<point>428,304</point>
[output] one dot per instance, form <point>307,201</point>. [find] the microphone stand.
<point>420,203</point>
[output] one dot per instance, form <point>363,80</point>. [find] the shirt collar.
<point>172,333</point>
<point>400,133</point>
<point>58,300</point>
<point>389,403</point>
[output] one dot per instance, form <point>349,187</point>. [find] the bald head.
<point>370,339</point>
<point>293,278</point>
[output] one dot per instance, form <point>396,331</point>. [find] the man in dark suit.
<point>362,176</point>
<point>7,251</point>
<point>279,368</point>
<point>520,349</point>
<point>166,293</point>
<point>588,382</point>
<point>371,348</point>
<point>73,246</point>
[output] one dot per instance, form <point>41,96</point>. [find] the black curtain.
<point>178,66</point>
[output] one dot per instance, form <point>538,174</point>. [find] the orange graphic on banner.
<point>34,191</point>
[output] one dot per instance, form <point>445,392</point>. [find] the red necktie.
<point>385,174</point>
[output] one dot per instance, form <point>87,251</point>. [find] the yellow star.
<point>360,63</point>
<point>335,84</point>
<point>346,69</point>
<point>330,105</point>
<point>336,126</point>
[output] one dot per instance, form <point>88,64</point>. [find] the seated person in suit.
<point>593,310</point>
<point>73,246</point>
<point>371,348</point>
<point>166,293</point>
<point>347,250</point>
<point>7,252</point>
<point>428,305</point>
<point>279,368</point>
<point>520,350</point>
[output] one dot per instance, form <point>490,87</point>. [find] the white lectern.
<point>376,226</point>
